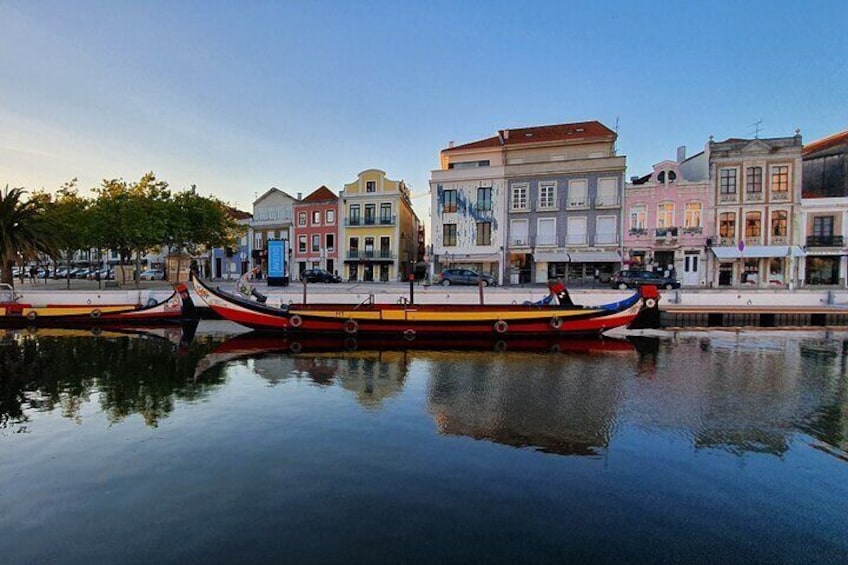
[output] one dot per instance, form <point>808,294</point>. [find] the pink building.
<point>667,218</point>
<point>316,232</point>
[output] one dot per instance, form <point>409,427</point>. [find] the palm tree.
<point>24,232</point>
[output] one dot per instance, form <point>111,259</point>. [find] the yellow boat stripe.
<point>435,316</point>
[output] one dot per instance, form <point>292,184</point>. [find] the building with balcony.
<point>824,206</point>
<point>667,218</point>
<point>536,203</point>
<point>468,209</point>
<point>379,229</point>
<point>756,196</point>
<point>315,232</point>
<point>272,219</point>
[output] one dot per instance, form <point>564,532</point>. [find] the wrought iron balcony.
<point>663,233</point>
<point>825,241</point>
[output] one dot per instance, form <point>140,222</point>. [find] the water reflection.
<point>735,392</point>
<point>125,371</point>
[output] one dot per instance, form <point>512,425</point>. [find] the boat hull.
<point>414,320</point>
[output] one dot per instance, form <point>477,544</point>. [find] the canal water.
<point>153,448</point>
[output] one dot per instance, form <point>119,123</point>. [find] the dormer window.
<point>671,176</point>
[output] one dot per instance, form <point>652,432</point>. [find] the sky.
<point>237,97</point>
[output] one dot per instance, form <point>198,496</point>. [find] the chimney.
<point>633,179</point>
<point>506,134</point>
<point>300,196</point>
<point>450,144</point>
<point>681,153</point>
<point>500,137</point>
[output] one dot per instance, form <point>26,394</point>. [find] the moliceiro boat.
<point>553,315</point>
<point>19,314</point>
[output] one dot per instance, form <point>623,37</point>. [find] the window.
<point>385,213</point>
<point>665,215</point>
<point>316,218</point>
<point>638,217</point>
<point>823,226</point>
<point>331,242</point>
<point>369,246</point>
<point>578,193</point>
<point>518,233</point>
<point>576,231</point>
<point>385,247</point>
<point>316,242</point>
<point>547,195</point>
<point>518,200</point>
<point>301,244</point>
<point>354,215</point>
<point>484,233</point>
<point>353,245</point>
<point>450,201</point>
<point>727,224</point>
<point>301,218</point>
<point>546,231</point>
<point>752,224</point>
<point>469,164</point>
<point>727,181</point>
<point>331,216</point>
<point>484,198</point>
<point>754,179</point>
<point>692,215</point>
<point>370,186</point>
<point>257,241</point>
<point>779,223</point>
<point>664,176</point>
<point>607,192</point>
<point>780,178</point>
<point>449,235</point>
<point>605,232</point>
<point>370,214</point>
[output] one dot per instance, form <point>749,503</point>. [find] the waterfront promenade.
<point>695,300</point>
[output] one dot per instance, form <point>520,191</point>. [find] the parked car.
<point>463,276</point>
<point>634,279</point>
<point>152,275</point>
<point>319,275</point>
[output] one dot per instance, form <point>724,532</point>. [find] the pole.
<point>480,290</point>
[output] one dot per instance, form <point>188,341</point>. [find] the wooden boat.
<point>415,320</point>
<point>17,314</point>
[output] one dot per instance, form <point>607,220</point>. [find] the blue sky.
<point>237,97</point>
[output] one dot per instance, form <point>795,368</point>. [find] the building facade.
<point>532,203</point>
<point>316,232</point>
<point>232,262</point>
<point>756,194</point>
<point>668,218</point>
<point>272,219</point>
<point>825,211</point>
<point>379,231</point>
<point>468,209</point>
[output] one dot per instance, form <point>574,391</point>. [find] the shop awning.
<point>758,251</point>
<point>471,257</point>
<point>595,257</point>
<point>550,257</point>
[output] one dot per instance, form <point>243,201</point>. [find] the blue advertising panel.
<point>276,258</point>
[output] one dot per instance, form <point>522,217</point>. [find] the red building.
<point>316,232</point>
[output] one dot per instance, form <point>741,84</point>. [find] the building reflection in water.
<point>735,391</point>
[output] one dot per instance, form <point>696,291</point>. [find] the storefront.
<point>822,269</point>
<point>577,268</point>
<point>757,265</point>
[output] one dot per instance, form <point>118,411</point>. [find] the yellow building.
<point>379,236</point>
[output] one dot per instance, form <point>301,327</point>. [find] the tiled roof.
<point>826,142</point>
<point>582,131</point>
<point>237,214</point>
<point>321,194</point>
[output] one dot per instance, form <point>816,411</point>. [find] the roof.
<point>273,190</point>
<point>237,214</point>
<point>579,131</point>
<point>826,143</point>
<point>320,194</point>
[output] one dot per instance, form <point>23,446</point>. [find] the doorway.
<point>691,268</point>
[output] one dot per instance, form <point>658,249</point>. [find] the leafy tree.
<point>69,214</point>
<point>24,231</point>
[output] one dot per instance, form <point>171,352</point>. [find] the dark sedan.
<point>633,279</point>
<point>464,276</point>
<point>319,275</point>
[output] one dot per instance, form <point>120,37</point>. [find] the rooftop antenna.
<point>614,148</point>
<point>757,125</point>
